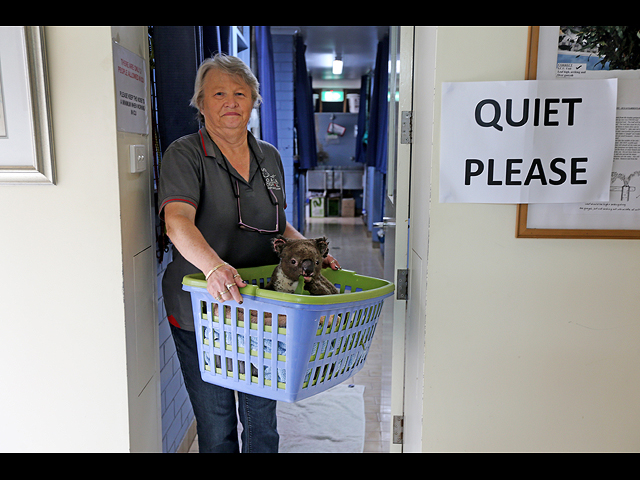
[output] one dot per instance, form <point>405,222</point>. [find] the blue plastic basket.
<point>321,340</point>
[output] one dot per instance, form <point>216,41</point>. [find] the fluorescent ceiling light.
<point>337,67</point>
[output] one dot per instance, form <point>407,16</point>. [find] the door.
<point>424,67</point>
<point>406,222</point>
<point>396,215</point>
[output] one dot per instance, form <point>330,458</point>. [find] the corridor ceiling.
<point>355,45</point>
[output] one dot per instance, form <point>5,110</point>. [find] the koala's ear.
<point>278,243</point>
<point>323,246</point>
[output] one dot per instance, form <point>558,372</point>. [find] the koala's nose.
<point>307,266</point>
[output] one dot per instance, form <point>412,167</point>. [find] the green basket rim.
<point>375,287</point>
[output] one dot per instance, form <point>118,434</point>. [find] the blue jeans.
<point>215,408</point>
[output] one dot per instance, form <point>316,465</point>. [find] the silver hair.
<point>231,66</point>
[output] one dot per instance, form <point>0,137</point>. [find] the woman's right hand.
<point>224,283</point>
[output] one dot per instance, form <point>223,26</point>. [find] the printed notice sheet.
<point>622,211</point>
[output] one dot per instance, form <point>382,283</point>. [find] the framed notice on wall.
<point>26,136</point>
<point>566,52</point>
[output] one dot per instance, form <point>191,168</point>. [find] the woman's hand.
<point>224,282</point>
<point>330,262</point>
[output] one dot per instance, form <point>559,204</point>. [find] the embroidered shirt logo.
<point>270,180</point>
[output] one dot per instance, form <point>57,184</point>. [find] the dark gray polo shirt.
<point>195,171</point>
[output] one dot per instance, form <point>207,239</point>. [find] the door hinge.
<point>398,429</point>
<point>406,130</point>
<point>402,284</point>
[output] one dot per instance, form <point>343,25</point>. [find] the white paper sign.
<point>131,91</point>
<point>527,141</point>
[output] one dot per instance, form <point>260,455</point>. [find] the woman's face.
<point>227,103</point>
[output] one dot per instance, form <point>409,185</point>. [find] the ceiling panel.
<point>355,44</point>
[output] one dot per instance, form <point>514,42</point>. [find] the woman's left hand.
<point>330,262</point>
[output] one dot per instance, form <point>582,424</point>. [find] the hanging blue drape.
<point>304,121</point>
<point>266,77</point>
<point>361,139</point>
<point>378,119</point>
<point>179,50</point>
<point>177,57</point>
<point>215,39</point>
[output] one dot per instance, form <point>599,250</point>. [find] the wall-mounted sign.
<point>131,91</point>
<point>527,141</point>
<point>333,96</point>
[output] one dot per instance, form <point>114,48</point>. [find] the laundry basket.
<point>285,346</point>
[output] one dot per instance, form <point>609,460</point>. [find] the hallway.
<point>350,243</point>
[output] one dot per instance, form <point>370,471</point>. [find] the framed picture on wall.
<point>26,140</point>
<point>584,53</point>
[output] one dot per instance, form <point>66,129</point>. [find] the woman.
<point>221,194</point>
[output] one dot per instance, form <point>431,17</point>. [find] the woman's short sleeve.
<point>180,175</point>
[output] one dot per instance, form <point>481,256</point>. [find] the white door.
<point>407,218</point>
<point>396,216</point>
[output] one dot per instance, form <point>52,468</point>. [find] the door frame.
<point>423,122</point>
<point>413,173</point>
<point>397,209</point>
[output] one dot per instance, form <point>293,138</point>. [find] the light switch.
<point>138,157</point>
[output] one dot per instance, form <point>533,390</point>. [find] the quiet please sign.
<point>527,141</point>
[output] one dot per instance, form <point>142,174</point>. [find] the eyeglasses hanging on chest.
<point>274,202</point>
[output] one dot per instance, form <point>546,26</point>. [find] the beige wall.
<point>63,277</point>
<point>530,344</point>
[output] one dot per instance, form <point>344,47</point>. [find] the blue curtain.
<point>304,121</point>
<point>179,50</point>
<point>215,39</point>
<point>175,74</point>
<point>266,76</point>
<point>379,116</point>
<point>361,139</point>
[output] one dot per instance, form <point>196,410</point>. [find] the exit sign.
<point>332,96</point>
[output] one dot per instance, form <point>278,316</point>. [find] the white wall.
<point>63,358</point>
<point>531,344</point>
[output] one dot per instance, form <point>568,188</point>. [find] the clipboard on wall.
<point>578,221</point>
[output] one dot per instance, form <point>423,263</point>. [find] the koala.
<point>301,258</point>
<point>297,258</point>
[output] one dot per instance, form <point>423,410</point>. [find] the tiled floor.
<point>351,244</point>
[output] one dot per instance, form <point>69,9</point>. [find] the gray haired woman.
<point>221,214</point>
